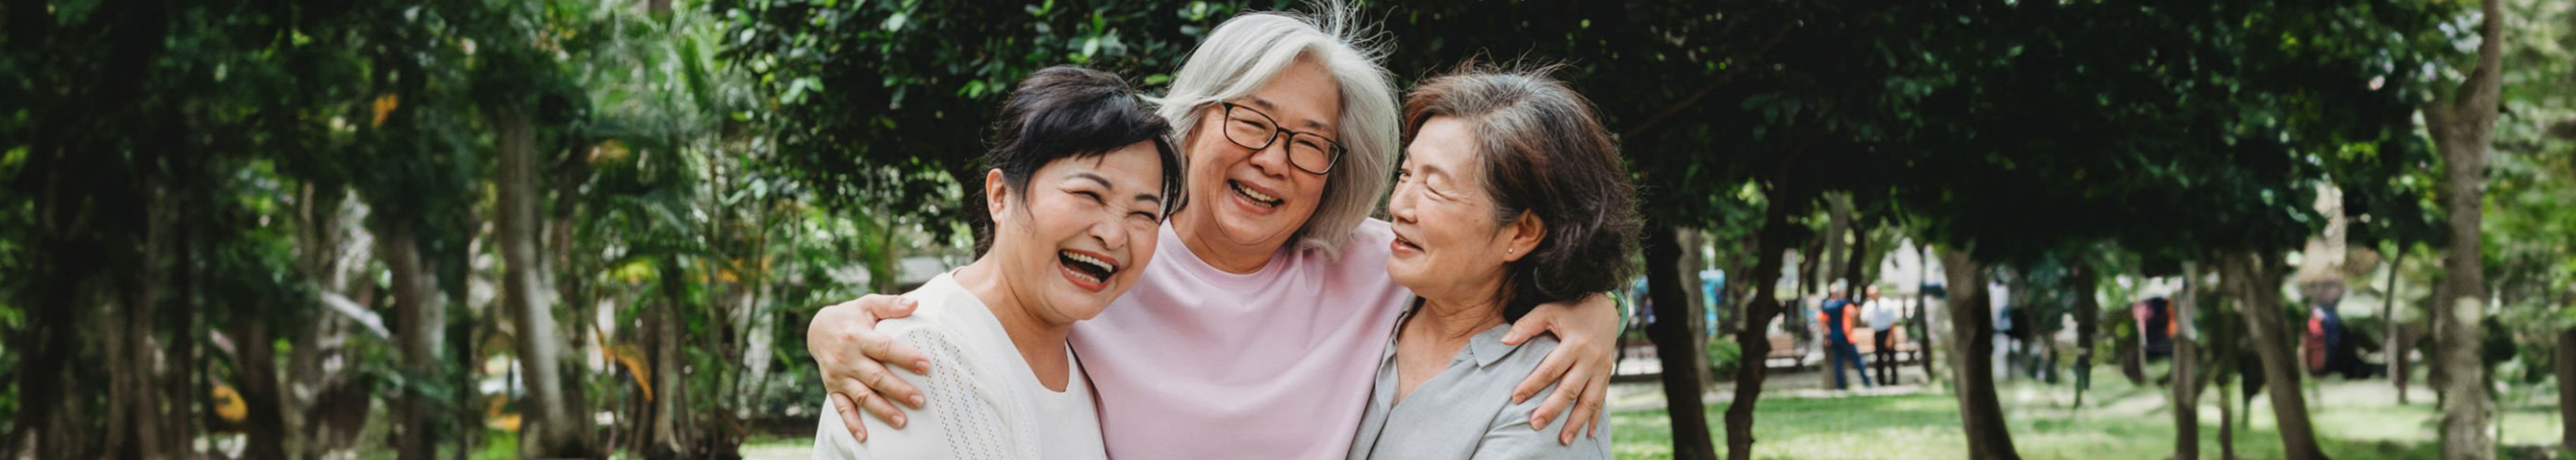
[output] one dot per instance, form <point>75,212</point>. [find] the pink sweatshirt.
<point>1197,363</point>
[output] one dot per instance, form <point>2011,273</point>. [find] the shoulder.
<point>944,304</point>
<point>1509,435</point>
<point>1526,357</point>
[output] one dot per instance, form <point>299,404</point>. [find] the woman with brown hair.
<point>1510,195</point>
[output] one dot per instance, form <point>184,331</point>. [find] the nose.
<point>1399,206</point>
<point>1109,231</point>
<point>1272,160</point>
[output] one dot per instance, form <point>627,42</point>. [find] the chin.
<point>1078,307</point>
<point>1406,276</point>
<point>1246,229</point>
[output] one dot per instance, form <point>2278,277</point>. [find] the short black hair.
<point>1066,112</point>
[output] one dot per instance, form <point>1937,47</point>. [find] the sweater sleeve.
<point>963,419</point>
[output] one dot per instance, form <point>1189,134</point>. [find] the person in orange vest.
<point>1837,319</point>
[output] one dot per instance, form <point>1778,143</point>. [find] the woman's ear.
<point>1524,233</point>
<point>996,194</point>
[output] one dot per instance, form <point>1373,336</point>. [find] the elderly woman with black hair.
<point>1510,195</point>
<point>1079,180</point>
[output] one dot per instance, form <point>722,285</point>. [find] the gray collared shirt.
<point>1466,412</point>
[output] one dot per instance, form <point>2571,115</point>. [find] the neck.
<point>1232,258</point>
<point>1458,320</point>
<point>1038,339</point>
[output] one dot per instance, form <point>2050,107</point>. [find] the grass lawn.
<point>2355,420</point>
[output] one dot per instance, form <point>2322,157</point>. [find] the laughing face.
<point>1256,199</point>
<point>1081,233</point>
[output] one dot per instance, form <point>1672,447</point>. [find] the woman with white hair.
<point>1256,332</point>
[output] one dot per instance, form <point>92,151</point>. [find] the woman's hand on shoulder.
<point>1587,332</point>
<point>851,355</point>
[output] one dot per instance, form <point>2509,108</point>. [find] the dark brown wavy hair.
<point>1544,151</point>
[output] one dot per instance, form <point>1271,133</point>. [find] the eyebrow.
<point>1266,106</point>
<point>1426,168</point>
<point>1104,182</point>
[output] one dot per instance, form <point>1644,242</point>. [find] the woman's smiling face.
<point>1258,198</point>
<point>1449,243</point>
<point>1082,232</point>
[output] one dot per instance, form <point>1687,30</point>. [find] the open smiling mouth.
<point>1400,240</point>
<point>1255,195</point>
<point>1087,271</point>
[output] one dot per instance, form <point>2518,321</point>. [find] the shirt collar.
<point>1488,346</point>
<point>1485,348</point>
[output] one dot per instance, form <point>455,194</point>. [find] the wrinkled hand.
<point>1587,334</point>
<point>851,355</point>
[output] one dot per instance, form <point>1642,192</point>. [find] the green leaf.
<point>892,23</point>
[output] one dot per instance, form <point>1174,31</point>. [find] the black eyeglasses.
<point>1310,152</point>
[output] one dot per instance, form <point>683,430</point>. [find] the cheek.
<point>1210,152</point>
<point>1462,238</point>
<point>1140,252</point>
<point>1310,188</point>
<point>1049,220</point>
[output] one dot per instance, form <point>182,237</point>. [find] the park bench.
<point>1786,347</point>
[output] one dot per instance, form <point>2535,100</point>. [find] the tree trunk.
<point>256,371</point>
<point>421,312</point>
<point>2395,335</point>
<point>1923,311</point>
<point>1981,414</point>
<point>1810,258</point>
<point>1855,279</point>
<point>2463,126</point>
<point>2226,412</point>
<point>2186,357</point>
<point>1753,337</point>
<point>2088,320</point>
<point>2567,388</point>
<point>1838,253</point>
<point>1687,244</point>
<point>1683,362</point>
<point>138,425</point>
<point>553,427</point>
<point>2256,280</point>
<point>668,432</point>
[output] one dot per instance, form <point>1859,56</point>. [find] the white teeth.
<point>1104,267</point>
<point>1256,195</point>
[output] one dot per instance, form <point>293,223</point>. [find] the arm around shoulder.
<point>960,421</point>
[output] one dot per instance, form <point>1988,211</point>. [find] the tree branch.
<point>1669,111</point>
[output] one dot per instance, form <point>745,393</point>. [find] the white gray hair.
<point>1244,53</point>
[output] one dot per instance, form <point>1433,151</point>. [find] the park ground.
<point>1799,419</point>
